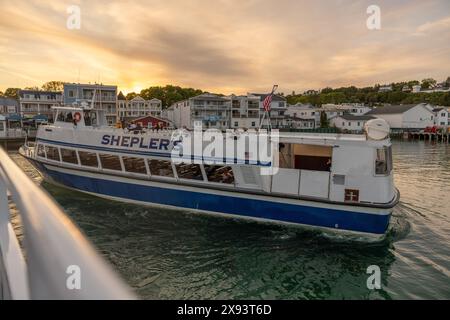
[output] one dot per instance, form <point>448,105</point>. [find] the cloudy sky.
<point>223,45</point>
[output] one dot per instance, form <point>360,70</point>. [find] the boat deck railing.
<point>55,260</point>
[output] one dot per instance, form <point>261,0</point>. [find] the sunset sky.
<point>228,46</point>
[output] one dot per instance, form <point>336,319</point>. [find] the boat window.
<point>220,174</point>
<point>69,156</point>
<point>88,159</point>
<point>87,118</point>
<point>189,171</point>
<point>383,163</point>
<point>160,168</point>
<point>312,157</point>
<point>110,162</point>
<point>136,165</point>
<point>65,116</point>
<point>41,151</point>
<point>52,153</point>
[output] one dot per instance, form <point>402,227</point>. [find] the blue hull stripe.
<point>284,212</point>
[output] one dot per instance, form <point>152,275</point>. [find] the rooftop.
<point>275,97</point>
<point>351,117</point>
<point>395,109</point>
<point>8,102</point>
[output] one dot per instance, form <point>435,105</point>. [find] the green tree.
<point>53,86</point>
<point>131,95</point>
<point>12,93</point>
<point>324,123</point>
<point>428,83</point>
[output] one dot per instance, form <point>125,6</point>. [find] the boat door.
<point>304,170</point>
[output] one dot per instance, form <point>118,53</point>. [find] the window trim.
<point>110,154</point>
<point>76,155</point>
<point>86,166</point>
<point>147,172</point>
<point>46,155</point>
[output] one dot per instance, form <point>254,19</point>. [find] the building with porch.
<point>211,110</point>
<point>245,111</point>
<point>36,102</point>
<point>9,106</point>
<point>278,108</point>
<point>138,107</point>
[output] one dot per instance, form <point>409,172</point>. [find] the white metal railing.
<point>59,262</point>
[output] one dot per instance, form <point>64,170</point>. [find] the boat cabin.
<point>79,117</point>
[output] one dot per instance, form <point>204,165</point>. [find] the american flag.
<point>268,100</point>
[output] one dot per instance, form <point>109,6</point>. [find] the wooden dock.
<point>428,136</point>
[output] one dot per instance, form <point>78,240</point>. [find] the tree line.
<point>372,95</point>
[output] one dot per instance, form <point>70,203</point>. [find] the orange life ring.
<point>77,116</point>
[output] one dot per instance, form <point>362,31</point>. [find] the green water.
<point>167,254</point>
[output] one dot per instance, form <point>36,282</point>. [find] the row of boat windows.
<point>163,168</point>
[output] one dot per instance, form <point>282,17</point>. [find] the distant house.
<point>351,122</point>
<point>385,89</point>
<point>310,92</point>
<point>408,116</point>
<point>36,102</point>
<point>359,109</point>
<point>298,112</point>
<point>245,111</point>
<point>138,107</point>
<point>300,123</point>
<point>278,108</point>
<point>406,89</point>
<point>8,106</point>
<point>441,116</point>
<point>151,122</point>
<point>416,88</point>
<point>209,110</point>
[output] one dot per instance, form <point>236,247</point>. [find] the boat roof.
<point>323,136</point>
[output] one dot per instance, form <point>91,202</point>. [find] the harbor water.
<point>166,254</point>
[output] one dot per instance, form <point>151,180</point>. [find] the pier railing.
<point>56,261</point>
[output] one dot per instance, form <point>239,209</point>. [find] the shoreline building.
<point>9,106</point>
<point>137,107</point>
<point>245,111</point>
<point>213,111</point>
<point>441,116</point>
<point>408,116</point>
<point>105,97</point>
<point>36,102</point>
<point>350,122</point>
<point>302,116</point>
<point>278,108</point>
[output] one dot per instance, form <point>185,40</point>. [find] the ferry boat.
<point>337,182</point>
